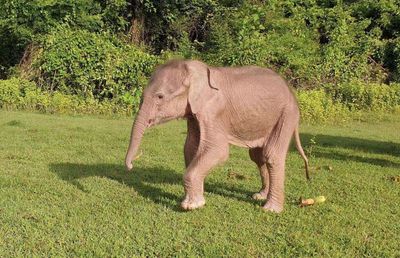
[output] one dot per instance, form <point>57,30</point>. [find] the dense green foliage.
<point>64,191</point>
<point>21,21</point>
<point>106,50</point>
<point>91,65</point>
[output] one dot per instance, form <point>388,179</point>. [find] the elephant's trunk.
<point>138,128</point>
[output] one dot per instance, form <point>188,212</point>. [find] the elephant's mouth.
<point>151,122</point>
<point>157,121</point>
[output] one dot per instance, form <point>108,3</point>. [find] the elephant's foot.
<point>273,206</point>
<point>261,196</point>
<point>193,203</point>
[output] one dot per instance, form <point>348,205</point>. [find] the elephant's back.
<point>256,98</point>
<point>256,88</point>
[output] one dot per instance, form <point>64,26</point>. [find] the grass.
<point>64,192</point>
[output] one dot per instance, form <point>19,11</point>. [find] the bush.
<point>347,53</point>
<point>21,21</point>
<point>357,95</point>
<point>318,107</point>
<point>10,95</point>
<point>343,101</point>
<point>24,95</point>
<point>91,65</point>
<point>258,35</point>
<point>309,45</point>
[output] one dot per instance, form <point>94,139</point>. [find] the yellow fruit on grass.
<point>320,199</point>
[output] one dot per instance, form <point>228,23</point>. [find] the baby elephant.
<point>249,106</point>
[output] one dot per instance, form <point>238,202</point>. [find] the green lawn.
<point>64,191</point>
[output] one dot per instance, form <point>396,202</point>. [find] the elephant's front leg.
<point>208,155</point>
<point>192,140</point>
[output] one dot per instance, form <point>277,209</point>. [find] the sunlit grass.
<point>64,191</point>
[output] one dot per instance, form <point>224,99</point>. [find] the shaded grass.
<point>64,191</point>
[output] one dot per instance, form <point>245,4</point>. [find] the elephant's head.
<point>177,89</point>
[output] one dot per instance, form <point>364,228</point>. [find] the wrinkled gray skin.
<point>251,107</point>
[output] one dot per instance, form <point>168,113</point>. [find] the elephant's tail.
<point>300,150</point>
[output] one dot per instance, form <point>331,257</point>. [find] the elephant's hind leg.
<point>256,155</point>
<point>275,152</point>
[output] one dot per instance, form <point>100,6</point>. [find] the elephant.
<point>249,106</point>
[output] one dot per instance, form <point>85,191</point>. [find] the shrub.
<point>21,94</point>
<point>21,21</point>
<point>347,53</point>
<point>91,65</point>
<point>10,95</point>
<point>343,101</point>
<point>309,45</point>
<point>318,107</point>
<point>357,95</point>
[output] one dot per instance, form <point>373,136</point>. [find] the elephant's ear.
<point>202,83</point>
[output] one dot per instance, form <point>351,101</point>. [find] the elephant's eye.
<point>160,96</point>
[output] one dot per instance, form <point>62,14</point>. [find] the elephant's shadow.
<point>328,143</point>
<point>144,181</point>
